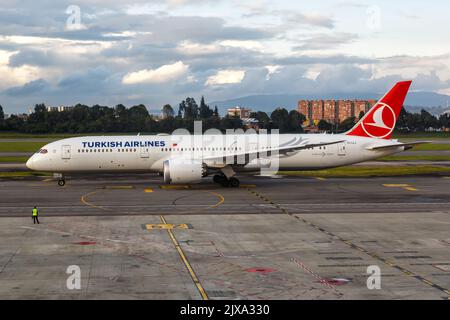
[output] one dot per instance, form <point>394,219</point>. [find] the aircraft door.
<point>65,152</point>
<point>144,152</point>
<point>341,149</point>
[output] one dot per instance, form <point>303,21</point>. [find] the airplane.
<point>192,158</point>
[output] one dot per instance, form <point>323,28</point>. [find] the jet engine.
<point>183,171</point>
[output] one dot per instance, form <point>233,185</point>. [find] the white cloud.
<point>244,44</point>
<point>226,77</point>
<point>15,76</point>
<point>127,33</point>
<point>162,74</point>
<point>192,48</point>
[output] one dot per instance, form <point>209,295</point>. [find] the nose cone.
<point>29,163</point>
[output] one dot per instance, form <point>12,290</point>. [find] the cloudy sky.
<point>155,52</point>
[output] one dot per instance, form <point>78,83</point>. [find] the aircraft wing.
<point>282,149</point>
<point>407,145</point>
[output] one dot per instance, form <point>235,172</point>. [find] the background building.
<point>303,108</point>
<point>345,109</point>
<point>58,109</point>
<point>239,112</point>
<point>332,111</point>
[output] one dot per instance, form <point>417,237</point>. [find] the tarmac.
<point>273,238</point>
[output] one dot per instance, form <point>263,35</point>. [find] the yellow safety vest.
<point>35,212</point>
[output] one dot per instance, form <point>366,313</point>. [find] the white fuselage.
<point>147,153</point>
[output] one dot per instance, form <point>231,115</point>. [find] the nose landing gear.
<point>61,180</point>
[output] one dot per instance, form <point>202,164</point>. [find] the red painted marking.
<point>337,281</point>
<point>86,243</point>
<point>260,270</point>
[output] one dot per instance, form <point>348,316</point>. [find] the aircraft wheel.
<point>234,183</point>
<point>217,178</point>
<point>225,182</point>
<point>61,182</point>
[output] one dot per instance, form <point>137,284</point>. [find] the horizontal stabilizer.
<point>407,145</point>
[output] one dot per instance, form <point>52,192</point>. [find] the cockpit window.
<point>43,151</point>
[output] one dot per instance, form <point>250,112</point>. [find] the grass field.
<point>416,158</point>
<point>361,171</point>
<point>57,136</point>
<point>22,146</point>
<point>432,147</point>
<point>14,174</point>
<point>418,135</point>
<point>13,159</point>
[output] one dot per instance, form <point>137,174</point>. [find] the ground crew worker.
<point>35,215</point>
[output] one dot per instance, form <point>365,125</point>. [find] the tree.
<point>2,118</point>
<point>280,119</point>
<point>14,123</point>
<point>167,111</point>
<point>216,112</point>
<point>181,109</point>
<point>262,118</point>
<point>347,124</point>
<point>361,114</point>
<point>191,109</point>
<point>137,117</point>
<point>444,120</point>
<point>402,121</point>
<point>230,122</point>
<point>204,110</point>
<point>323,125</point>
<point>429,121</point>
<point>295,121</point>
<point>121,116</point>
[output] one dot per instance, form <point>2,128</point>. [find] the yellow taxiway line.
<point>221,199</point>
<point>118,187</point>
<point>400,185</point>
<point>188,266</point>
<point>84,201</point>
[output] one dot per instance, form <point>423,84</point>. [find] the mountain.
<point>415,101</point>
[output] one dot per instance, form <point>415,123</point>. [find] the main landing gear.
<point>61,180</point>
<point>225,182</point>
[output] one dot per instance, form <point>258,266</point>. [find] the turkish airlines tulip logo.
<point>381,122</point>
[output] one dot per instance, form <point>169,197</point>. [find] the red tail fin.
<point>379,121</point>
